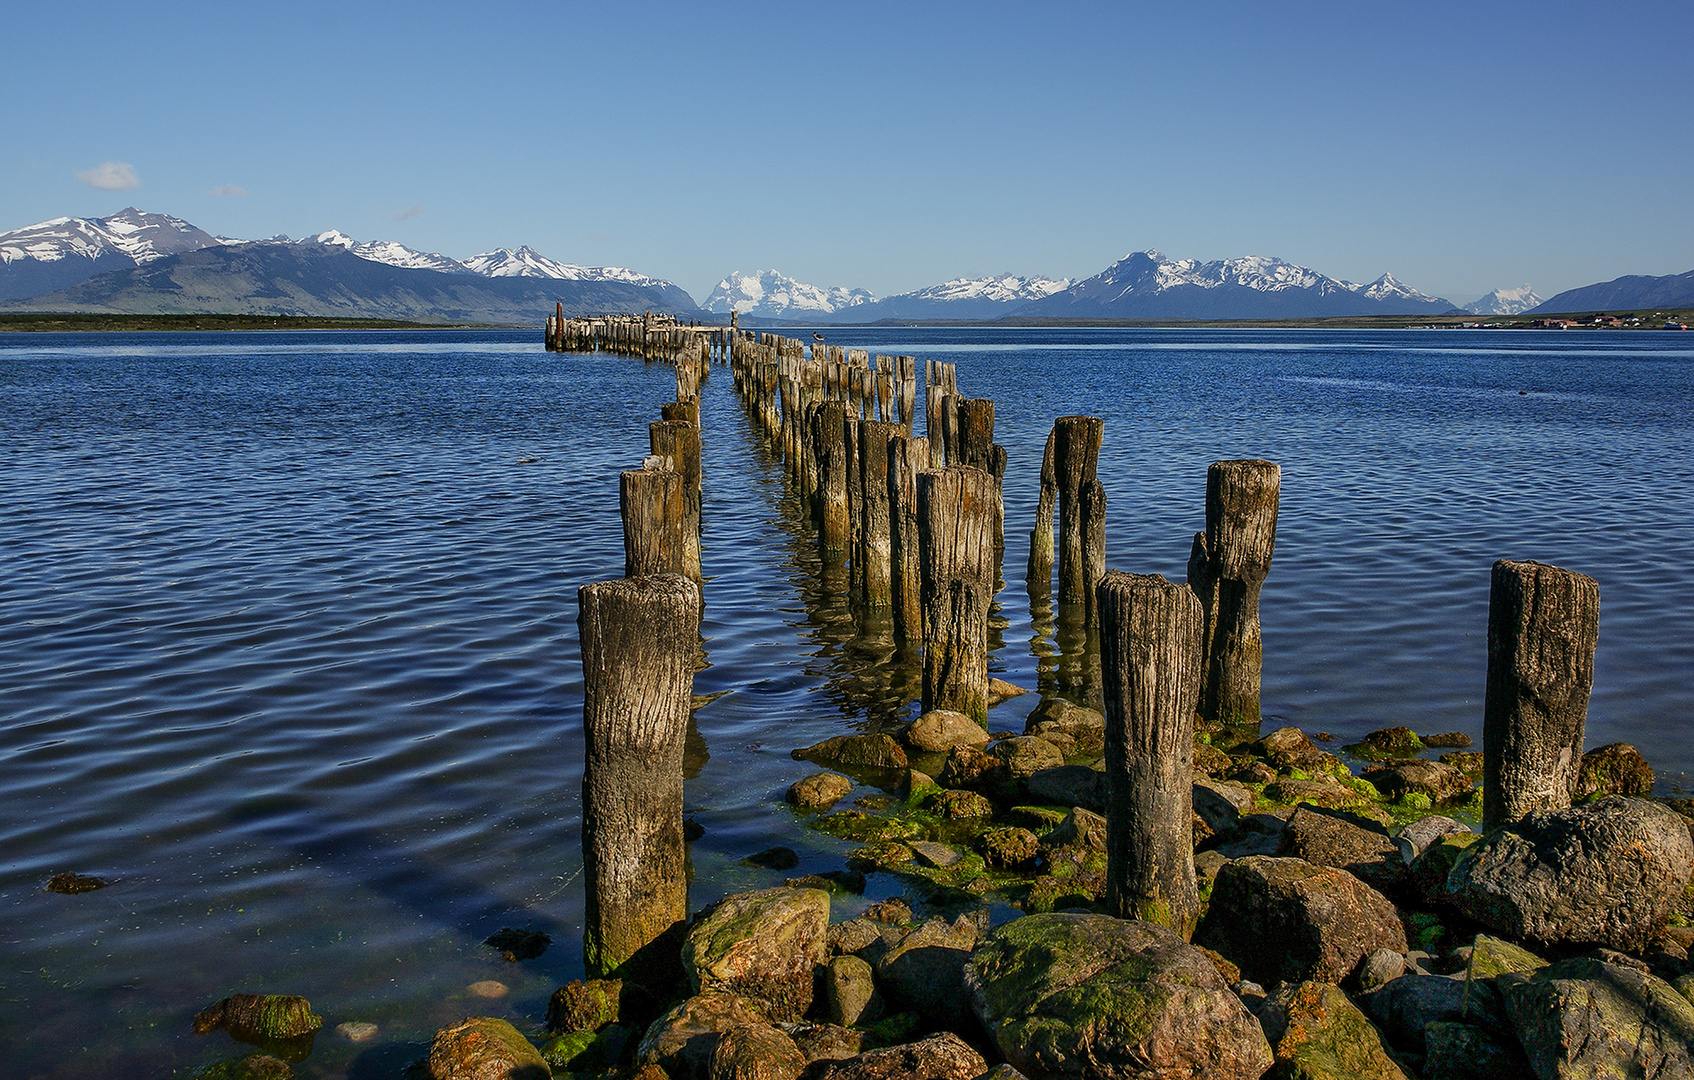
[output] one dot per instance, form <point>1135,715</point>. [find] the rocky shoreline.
<point>1352,926</point>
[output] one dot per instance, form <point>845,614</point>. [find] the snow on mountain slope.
<point>527,262</point>
<point>775,296</point>
<point>390,253</point>
<point>1505,302</point>
<point>1147,284</point>
<point>138,236</point>
<point>1001,289</point>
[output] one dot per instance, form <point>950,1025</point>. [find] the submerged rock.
<point>484,1048</point>
<point>515,945</point>
<point>1285,920</point>
<point>251,1067</point>
<point>69,884</point>
<point>761,945</point>
<point>874,751</point>
<point>250,1017</point>
<point>1607,873</point>
<point>1076,995</point>
<point>1316,1033</point>
<point>820,791</point>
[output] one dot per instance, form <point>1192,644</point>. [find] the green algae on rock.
<point>259,1016</point>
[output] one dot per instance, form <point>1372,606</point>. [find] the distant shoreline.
<point>84,322</point>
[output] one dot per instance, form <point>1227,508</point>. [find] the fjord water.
<point>288,645</point>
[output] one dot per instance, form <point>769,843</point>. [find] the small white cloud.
<point>110,176</point>
<point>411,211</point>
<point>228,191</point>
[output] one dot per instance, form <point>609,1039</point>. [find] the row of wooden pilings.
<point>646,336</point>
<point>921,521</point>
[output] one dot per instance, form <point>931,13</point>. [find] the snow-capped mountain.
<point>527,262</point>
<point>1505,302</point>
<point>1145,284</point>
<point>960,298</point>
<point>775,296</point>
<point>61,252</point>
<point>390,253</point>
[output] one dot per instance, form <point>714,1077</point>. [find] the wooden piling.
<point>1543,625</point>
<point>1150,640</point>
<point>956,553</point>
<point>1039,573</point>
<point>908,455</point>
<point>832,511</point>
<point>653,502</point>
<point>1226,568</point>
<point>1076,455</point>
<point>678,445</point>
<point>875,541</point>
<point>638,642</point>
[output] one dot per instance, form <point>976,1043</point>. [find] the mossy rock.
<point>482,1046</point>
<point>584,1006</point>
<point>1424,930</point>
<point>959,806</point>
<point>883,856</point>
<point>1468,762</point>
<point>1210,760</point>
<point>861,827</point>
<point>1386,743</point>
<point>251,1017</point>
<point>891,1030</point>
<point>1009,848</point>
<point>1617,769</point>
<point>587,1051</point>
<point>251,1067</point>
<point>1316,1033</point>
<point>1430,870</point>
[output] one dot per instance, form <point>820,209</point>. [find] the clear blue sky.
<point>885,146</point>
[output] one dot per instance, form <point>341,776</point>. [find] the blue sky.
<point>886,146</point>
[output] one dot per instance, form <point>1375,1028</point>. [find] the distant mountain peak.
<point>1505,302</point>
<point>527,262</point>
<point>774,295</point>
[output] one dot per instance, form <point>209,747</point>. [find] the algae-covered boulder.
<point>1489,959</point>
<point>1606,873</point>
<point>939,730</point>
<point>1009,848</point>
<point>957,804</point>
<point>875,751</point>
<point>1077,995</point>
<point>1327,792</point>
<point>925,970</point>
<point>1316,1033</point>
<point>584,1006</point>
<point>1081,829</point>
<point>755,1052</point>
<point>1388,743</point>
<point>586,1051</point>
<point>1285,920</point>
<point>763,945</point>
<point>1431,869</point>
<point>259,1017</point>
<point>1436,780</point>
<point>1615,769</point>
<point>939,1057</point>
<point>1086,726</point>
<point>1286,748</point>
<point>484,1048</point>
<point>251,1067</point>
<point>1583,1018</point>
<point>681,1041</point>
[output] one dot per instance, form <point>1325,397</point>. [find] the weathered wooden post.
<point>1150,650</point>
<point>653,502</point>
<point>1038,575</point>
<point>684,412</point>
<point>829,445</point>
<point>1226,567</point>
<point>875,540</point>
<point>908,455</point>
<point>1076,456</point>
<point>678,444</point>
<point>956,550</point>
<point>638,654</point>
<point>1543,625</point>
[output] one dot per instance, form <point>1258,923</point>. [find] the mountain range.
<point>145,263</point>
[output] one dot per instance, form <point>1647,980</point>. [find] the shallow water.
<point>287,623</point>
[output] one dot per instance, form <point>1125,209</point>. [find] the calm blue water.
<point>287,623</point>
